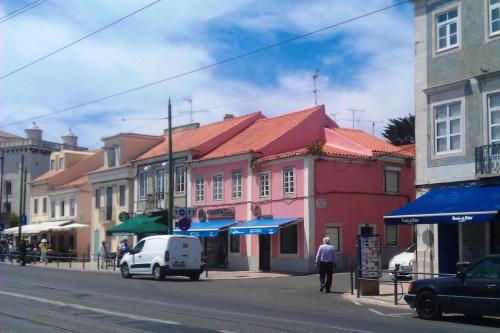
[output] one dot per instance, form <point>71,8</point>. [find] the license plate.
<point>179,264</point>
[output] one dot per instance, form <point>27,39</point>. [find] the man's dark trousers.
<point>326,270</point>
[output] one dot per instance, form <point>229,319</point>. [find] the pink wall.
<point>354,195</point>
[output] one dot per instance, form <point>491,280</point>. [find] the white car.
<point>405,261</point>
<point>164,255</point>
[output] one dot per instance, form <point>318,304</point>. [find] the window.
<point>265,184</point>
<point>180,179</point>
<point>62,209</point>
<point>97,198</point>
<point>237,185</point>
<point>334,234</point>
<point>447,30</point>
<point>447,128</point>
<point>8,187</point>
<point>139,246</point>
<point>289,239</point>
<point>234,243</point>
<point>143,184</point>
<point>44,205</point>
<point>288,181</point>
<point>72,207</point>
<point>494,17</point>
<point>391,235</point>
<point>486,269</point>
<point>111,157</point>
<point>391,181</point>
<point>200,189</point>
<point>109,203</point>
<point>217,187</point>
<point>122,195</point>
<point>35,206</point>
<point>52,208</point>
<point>160,181</point>
<point>61,163</point>
<point>494,117</point>
<point>52,164</point>
<point>7,207</point>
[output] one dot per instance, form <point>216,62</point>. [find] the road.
<point>38,299</point>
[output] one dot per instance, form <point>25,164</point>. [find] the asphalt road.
<point>37,299</point>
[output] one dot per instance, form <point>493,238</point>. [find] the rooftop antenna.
<point>315,91</point>
<point>190,101</point>
<point>353,114</point>
<point>334,115</point>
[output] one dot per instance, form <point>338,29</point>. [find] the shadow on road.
<point>460,319</point>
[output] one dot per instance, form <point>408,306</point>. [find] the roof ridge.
<point>291,113</point>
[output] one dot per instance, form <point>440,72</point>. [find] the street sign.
<point>185,223</point>
<point>2,226</point>
<point>24,219</point>
<point>180,212</point>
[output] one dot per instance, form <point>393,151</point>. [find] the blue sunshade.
<point>450,205</point>
<point>205,229</point>
<point>262,227</point>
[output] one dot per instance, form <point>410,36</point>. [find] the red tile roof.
<point>192,139</point>
<point>366,140</point>
<point>46,175</point>
<point>75,183</point>
<point>260,134</point>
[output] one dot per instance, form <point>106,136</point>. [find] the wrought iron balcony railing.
<point>488,159</point>
<point>153,201</point>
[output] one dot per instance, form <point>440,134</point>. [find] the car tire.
<point>125,272</point>
<point>158,273</point>
<point>194,277</point>
<point>427,305</point>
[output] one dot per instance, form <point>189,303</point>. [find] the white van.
<point>164,255</point>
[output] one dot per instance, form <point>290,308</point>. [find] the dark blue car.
<point>474,292</point>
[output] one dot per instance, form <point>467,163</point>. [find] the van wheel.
<point>427,305</point>
<point>125,271</point>
<point>158,273</point>
<point>194,277</point>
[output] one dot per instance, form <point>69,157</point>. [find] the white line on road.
<point>87,308</point>
<point>377,312</point>
<point>357,303</point>
<point>225,331</point>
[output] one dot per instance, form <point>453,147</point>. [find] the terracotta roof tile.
<point>46,175</point>
<point>75,183</point>
<point>261,133</point>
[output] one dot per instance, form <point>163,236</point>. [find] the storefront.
<point>453,224</point>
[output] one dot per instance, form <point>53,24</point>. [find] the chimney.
<point>33,132</point>
<point>228,116</point>
<point>69,139</point>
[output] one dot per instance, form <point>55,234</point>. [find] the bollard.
<point>357,282</point>
<point>70,263</point>
<point>83,263</point>
<point>351,270</point>
<point>395,272</point>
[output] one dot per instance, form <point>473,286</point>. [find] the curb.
<point>375,301</point>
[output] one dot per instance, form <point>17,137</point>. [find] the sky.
<point>366,64</point>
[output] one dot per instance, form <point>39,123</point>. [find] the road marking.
<point>225,331</point>
<point>87,308</point>
<point>399,314</point>
<point>357,303</point>
<point>377,312</point>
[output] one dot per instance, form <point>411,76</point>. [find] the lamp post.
<point>20,247</point>
<point>1,190</point>
<point>170,225</point>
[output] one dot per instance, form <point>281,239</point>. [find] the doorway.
<point>448,248</point>
<point>495,237</point>
<point>264,252</point>
<point>215,248</point>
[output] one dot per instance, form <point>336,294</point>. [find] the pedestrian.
<point>103,253</point>
<point>11,252</point>
<point>326,259</point>
<point>123,248</point>
<point>43,250</point>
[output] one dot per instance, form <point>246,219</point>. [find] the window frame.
<point>35,206</point>
<point>97,195</point>
<point>281,240</point>
<point>72,207</point>
<point>231,239</point>
<point>52,164</point>
<point>160,185</point>
<point>61,163</point>
<point>44,205</point>
<point>62,208</point>
<point>398,175</point>
<point>199,189</point>
<point>214,198</point>
<point>143,185</point>
<point>293,184</point>
<point>122,195</point>
<point>109,199</point>
<point>339,234</point>
<point>180,182</point>
<point>448,120</point>
<point>489,111</point>
<point>53,209</point>
<point>111,157</point>
<point>489,23</point>
<point>269,183</point>
<point>237,185</point>
<point>389,226</point>
<point>447,25</point>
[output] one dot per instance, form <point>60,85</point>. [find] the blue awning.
<point>206,229</point>
<point>450,205</point>
<point>262,226</point>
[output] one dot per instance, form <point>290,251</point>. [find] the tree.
<point>400,131</point>
<point>13,220</point>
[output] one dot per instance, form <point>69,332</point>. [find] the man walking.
<point>43,250</point>
<point>325,261</point>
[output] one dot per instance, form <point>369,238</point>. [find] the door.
<point>448,248</point>
<point>264,252</point>
<point>96,244</point>
<point>138,263</point>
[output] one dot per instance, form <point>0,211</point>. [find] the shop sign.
<point>220,213</point>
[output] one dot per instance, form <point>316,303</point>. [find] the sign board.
<point>123,216</point>
<point>184,223</point>
<point>321,203</point>
<point>24,220</point>
<point>180,212</point>
<point>370,259</point>
<point>221,213</point>
<point>2,226</point>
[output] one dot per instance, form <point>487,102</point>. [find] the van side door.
<point>138,266</point>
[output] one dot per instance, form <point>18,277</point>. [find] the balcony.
<point>151,202</point>
<point>488,160</point>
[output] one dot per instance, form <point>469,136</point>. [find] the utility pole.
<point>20,247</point>
<point>315,91</point>
<point>1,191</point>
<point>353,114</point>
<point>170,226</point>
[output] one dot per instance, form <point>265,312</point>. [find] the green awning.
<point>142,224</point>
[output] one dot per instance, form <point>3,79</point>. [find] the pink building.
<point>269,194</point>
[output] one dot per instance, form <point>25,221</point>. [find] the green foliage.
<point>12,220</point>
<point>315,147</point>
<point>400,131</point>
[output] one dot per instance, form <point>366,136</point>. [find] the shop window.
<point>44,205</point>
<point>391,235</point>
<point>391,181</point>
<point>334,233</point>
<point>234,245</point>
<point>289,239</point>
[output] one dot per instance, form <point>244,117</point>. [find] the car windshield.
<point>411,248</point>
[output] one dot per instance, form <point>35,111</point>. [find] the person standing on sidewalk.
<point>103,253</point>
<point>326,259</point>
<point>43,250</point>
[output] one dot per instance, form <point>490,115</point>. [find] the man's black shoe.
<point>327,291</point>
<point>322,287</point>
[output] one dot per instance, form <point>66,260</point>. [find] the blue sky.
<point>173,37</point>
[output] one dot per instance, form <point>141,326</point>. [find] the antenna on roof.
<point>315,91</point>
<point>353,114</point>
<point>190,101</point>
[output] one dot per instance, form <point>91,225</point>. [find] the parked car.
<point>474,292</point>
<point>405,261</point>
<point>164,255</point>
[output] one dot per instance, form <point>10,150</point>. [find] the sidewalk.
<point>212,275</point>
<point>385,297</point>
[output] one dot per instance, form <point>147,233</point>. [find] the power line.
<point>21,10</point>
<point>78,40</point>
<point>243,55</point>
